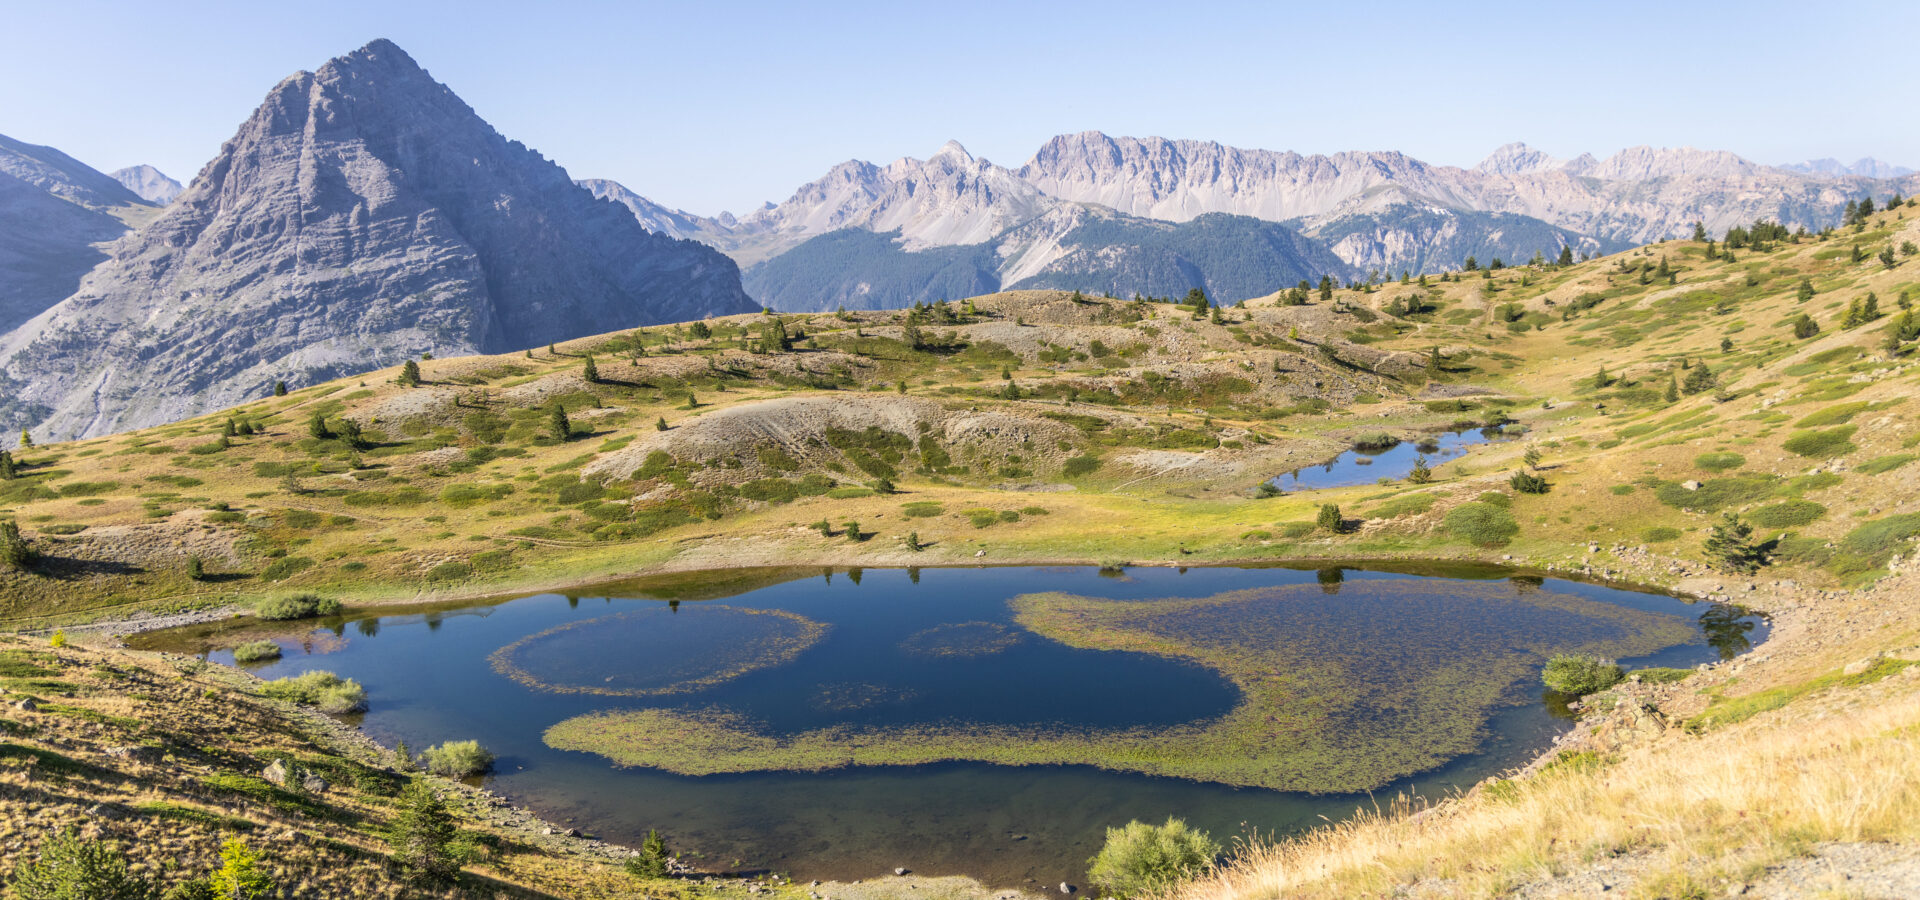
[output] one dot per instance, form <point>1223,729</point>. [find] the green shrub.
<point>1733,490</point>
<point>1869,546</point>
<point>1788,514</point>
<point>1660,534</point>
<point>451,570</point>
<point>1527,483</point>
<point>325,690</point>
<point>296,606</point>
<point>1719,462</point>
<point>1296,529</point>
<point>1141,860</point>
<point>1875,466</point>
<point>923,509</point>
<point>1481,524</point>
<point>1837,414</point>
<point>285,567</point>
<point>256,651</point>
<point>1662,674</point>
<point>1496,498</point>
<point>457,759</point>
<point>1831,442</point>
<point>981,518</point>
<point>1084,464</point>
<point>1579,676</point>
<point>70,867</point>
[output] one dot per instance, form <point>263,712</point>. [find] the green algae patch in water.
<point>657,651</point>
<point>962,640</point>
<point>1341,690</point>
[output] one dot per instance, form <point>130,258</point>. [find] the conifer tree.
<point>1566,255</point>
<point>317,427</point>
<point>1731,544</point>
<point>558,424</point>
<point>660,424</point>
<point>26,439</point>
<point>1805,327</point>
<point>421,836</point>
<point>9,470</point>
<point>1421,473</point>
<point>1673,389</point>
<point>279,389</point>
<point>1699,231</point>
<point>409,374</point>
<point>652,859</point>
<point>70,867</point>
<point>1699,380</point>
<point>1531,457</point>
<point>14,553</point>
<point>1804,292</point>
<point>589,372</point>
<point>1329,518</point>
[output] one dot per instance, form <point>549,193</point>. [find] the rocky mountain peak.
<point>363,214</point>
<point>1516,159</point>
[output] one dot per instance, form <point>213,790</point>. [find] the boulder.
<point>276,773</point>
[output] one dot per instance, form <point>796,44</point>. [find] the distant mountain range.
<point>955,222</point>
<point>363,215</point>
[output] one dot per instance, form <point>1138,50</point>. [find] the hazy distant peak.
<point>1866,166</point>
<point>1516,159</point>
<point>63,176</point>
<point>150,183</point>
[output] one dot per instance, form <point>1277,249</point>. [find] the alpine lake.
<point>982,721</point>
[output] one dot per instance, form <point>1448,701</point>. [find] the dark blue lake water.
<point>895,647</point>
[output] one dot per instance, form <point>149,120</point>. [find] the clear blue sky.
<point>723,105</point>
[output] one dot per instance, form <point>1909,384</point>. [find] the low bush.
<point>1789,514</point>
<point>1830,442</point>
<point>296,606</point>
<point>328,692</point>
<point>1719,462</point>
<point>256,651</point>
<point>1579,676</point>
<point>1481,524</point>
<point>1141,860</point>
<point>1660,534</point>
<point>1875,466</point>
<point>457,759</point>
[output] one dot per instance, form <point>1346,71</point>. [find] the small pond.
<point>1372,464</point>
<point>987,721</point>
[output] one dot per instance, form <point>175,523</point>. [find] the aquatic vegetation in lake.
<point>1341,691</point>
<point>656,651</point>
<point>961,639</point>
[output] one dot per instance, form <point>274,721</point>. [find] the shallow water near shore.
<point>1368,466</point>
<point>902,651</point>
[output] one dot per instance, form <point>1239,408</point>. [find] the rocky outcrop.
<point>56,215</point>
<point>364,214</point>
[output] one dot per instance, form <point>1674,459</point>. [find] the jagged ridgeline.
<point>362,215</point>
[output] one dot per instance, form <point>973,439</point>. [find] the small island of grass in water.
<point>1339,692</point>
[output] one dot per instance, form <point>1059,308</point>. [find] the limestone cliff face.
<point>364,214</point>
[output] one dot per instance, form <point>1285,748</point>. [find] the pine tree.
<point>1326,288</point>
<point>1699,380</point>
<point>26,439</point>
<point>1699,231</point>
<point>660,424</point>
<point>196,569</point>
<point>70,867</point>
<point>557,424</point>
<point>230,429</point>
<point>15,555</point>
<point>1731,544</point>
<point>1673,389</point>
<point>1471,265</point>
<point>9,470</point>
<point>1805,327</point>
<point>279,389</point>
<point>240,876</point>
<point>317,428</point>
<point>1329,518</point>
<point>1531,457</point>
<point>1528,484</point>
<point>853,531</point>
<point>652,859</point>
<point>1566,255</point>
<point>421,834</point>
<point>913,541</point>
<point>589,372</point>
<point>1887,258</point>
<point>1421,473</point>
<point>1805,291</point>
<point>409,374</point>
<point>1600,378</point>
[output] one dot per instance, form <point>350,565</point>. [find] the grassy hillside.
<point>1660,388</point>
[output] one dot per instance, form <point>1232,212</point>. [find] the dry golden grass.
<point>1686,814</point>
